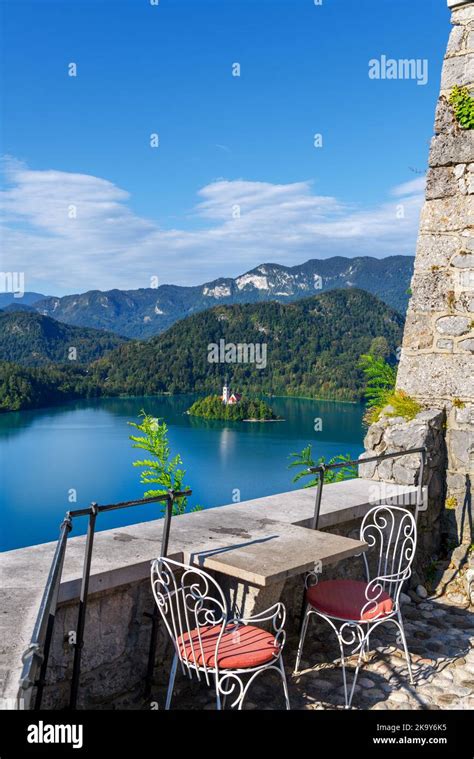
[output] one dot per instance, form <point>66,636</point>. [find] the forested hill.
<point>312,349</point>
<point>29,339</point>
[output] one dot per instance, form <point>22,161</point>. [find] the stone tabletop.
<point>272,552</point>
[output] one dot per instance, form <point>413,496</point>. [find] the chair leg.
<point>169,694</point>
<point>304,629</point>
<point>405,647</point>
<point>218,695</point>
<point>285,684</point>
<point>343,665</point>
<point>356,673</point>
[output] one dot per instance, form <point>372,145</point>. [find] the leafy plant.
<point>401,404</point>
<point>451,502</point>
<point>162,470</point>
<point>463,106</point>
<point>380,377</point>
<point>380,391</point>
<point>304,460</point>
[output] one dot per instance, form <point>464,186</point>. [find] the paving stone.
<point>421,635</point>
<point>446,698</point>
<point>322,685</point>
<point>398,696</point>
<point>364,682</point>
<point>375,694</point>
<point>427,614</point>
<point>425,606</point>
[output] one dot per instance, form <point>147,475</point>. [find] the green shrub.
<point>380,391</point>
<point>161,469</point>
<point>304,460</point>
<point>463,106</point>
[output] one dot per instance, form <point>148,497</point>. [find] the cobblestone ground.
<point>440,638</point>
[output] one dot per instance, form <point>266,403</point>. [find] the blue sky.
<point>236,179</point>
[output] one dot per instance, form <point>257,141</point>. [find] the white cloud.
<point>413,187</point>
<point>108,245</point>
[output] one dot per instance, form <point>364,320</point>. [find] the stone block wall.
<point>395,434</point>
<point>115,652</point>
<point>437,361</point>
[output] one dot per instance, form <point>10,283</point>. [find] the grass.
<point>401,404</point>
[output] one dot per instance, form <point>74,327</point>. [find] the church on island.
<point>229,398</point>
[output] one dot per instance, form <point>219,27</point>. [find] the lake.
<point>83,447</point>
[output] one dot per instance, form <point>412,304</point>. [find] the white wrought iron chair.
<point>353,608</point>
<point>217,648</point>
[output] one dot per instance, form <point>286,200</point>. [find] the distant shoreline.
<point>308,398</point>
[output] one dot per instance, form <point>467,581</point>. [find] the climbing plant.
<point>463,106</point>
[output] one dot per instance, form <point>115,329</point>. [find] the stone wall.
<point>393,434</point>
<point>437,361</point>
<point>115,652</point>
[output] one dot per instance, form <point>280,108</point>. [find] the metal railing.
<point>35,658</point>
<point>322,468</point>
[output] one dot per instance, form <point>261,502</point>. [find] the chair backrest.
<point>189,600</point>
<point>391,535</point>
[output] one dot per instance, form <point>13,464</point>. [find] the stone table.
<point>253,564</point>
<point>274,552</point>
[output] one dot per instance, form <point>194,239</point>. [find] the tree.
<point>380,347</point>
<point>162,470</point>
<point>304,460</point>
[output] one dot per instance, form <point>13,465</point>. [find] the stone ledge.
<point>457,3</point>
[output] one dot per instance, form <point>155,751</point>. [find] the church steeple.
<point>225,392</point>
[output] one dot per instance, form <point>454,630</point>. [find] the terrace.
<point>258,550</point>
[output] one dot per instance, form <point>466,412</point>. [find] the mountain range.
<point>146,312</point>
<point>27,299</point>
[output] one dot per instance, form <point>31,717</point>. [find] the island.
<point>231,406</point>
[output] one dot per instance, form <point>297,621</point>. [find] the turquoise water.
<point>84,446</point>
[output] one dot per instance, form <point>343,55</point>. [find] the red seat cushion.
<point>239,648</point>
<point>346,599</point>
